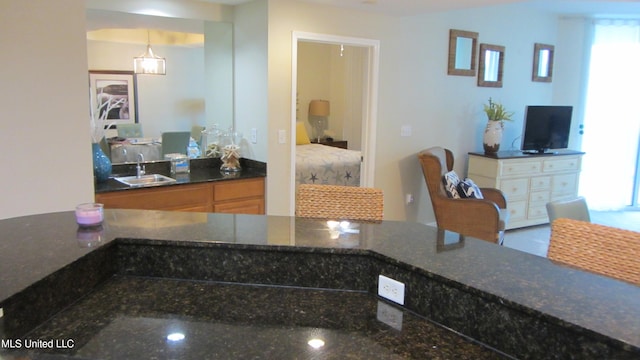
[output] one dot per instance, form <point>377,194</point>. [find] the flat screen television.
<point>546,128</point>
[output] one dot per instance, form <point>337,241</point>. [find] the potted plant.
<point>496,114</point>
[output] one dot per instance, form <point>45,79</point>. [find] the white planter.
<point>492,136</point>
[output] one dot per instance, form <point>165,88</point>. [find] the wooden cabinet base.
<point>244,196</point>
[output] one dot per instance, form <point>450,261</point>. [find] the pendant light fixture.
<point>149,63</point>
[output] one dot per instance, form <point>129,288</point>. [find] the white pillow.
<point>468,189</point>
<point>451,181</point>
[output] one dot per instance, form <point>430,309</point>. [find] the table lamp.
<point>319,110</point>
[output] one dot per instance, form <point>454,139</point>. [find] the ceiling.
<point>625,8</point>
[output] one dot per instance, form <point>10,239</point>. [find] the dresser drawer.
<point>564,184</point>
<point>539,197</point>
<point>540,183</point>
<point>517,210</point>
<point>509,168</point>
<point>537,211</point>
<point>513,188</point>
<point>559,165</point>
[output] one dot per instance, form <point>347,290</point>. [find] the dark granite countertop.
<point>520,304</point>
<point>201,170</point>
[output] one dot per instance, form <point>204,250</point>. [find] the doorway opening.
<point>361,93</point>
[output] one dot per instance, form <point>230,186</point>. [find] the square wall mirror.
<point>491,65</point>
<point>542,62</point>
<point>462,52</point>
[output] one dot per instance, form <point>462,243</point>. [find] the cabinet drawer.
<point>509,168</point>
<point>249,206</point>
<point>559,165</point>
<point>539,197</point>
<point>564,184</point>
<point>238,189</point>
<point>537,211</point>
<point>515,187</point>
<point>517,210</point>
<point>540,183</point>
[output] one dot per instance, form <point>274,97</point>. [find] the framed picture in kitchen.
<point>113,96</point>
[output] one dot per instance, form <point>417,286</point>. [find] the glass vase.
<point>101,163</point>
<point>230,151</point>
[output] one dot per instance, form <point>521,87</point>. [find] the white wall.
<point>314,82</point>
<point>171,102</point>
<point>324,74</point>
<point>250,81</point>
<point>414,88</point>
<point>45,143</point>
<point>570,71</point>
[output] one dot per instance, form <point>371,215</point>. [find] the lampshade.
<point>319,108</point>
<point>149,63</point>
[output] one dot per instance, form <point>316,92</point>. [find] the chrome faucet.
<point>140,169</point>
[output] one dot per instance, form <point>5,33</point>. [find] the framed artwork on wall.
<point>113,96</point>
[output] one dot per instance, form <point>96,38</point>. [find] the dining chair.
<point>336,202</point>
<point>600,249</point>
<point>129,130</point>
<point>175,142</point>
<point>571,209</point>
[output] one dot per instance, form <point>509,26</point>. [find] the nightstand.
<point>335,143</point>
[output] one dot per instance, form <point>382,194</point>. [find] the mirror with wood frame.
<point>491,65</point>
<point>462,52</point>
<point>542,62</point>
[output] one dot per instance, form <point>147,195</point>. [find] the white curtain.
<point>612,115</point>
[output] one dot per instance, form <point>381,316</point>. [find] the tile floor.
<point>535,239</point>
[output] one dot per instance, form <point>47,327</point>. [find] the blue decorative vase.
<point>101,163</point>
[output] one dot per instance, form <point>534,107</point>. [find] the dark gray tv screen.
<point>546,128</point>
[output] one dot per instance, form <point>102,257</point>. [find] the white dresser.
<point>528,181</point>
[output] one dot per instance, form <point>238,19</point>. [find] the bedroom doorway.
<point>355,118</point>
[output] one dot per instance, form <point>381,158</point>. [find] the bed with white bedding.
<point>321,164</point>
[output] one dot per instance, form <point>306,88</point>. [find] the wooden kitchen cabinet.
<point>245,196</point>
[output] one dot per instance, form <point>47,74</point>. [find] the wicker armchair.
<point>596,248</point>
<point>339,202</point>
<point>480,218</point>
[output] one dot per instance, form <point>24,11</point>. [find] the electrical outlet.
<point>389,315</point>
<point>391,289</point>
<point>282,136</point>
<point>254,135</point>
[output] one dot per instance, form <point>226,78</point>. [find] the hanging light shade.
<point>149,63</point>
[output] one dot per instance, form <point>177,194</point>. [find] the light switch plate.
<point>405,130</point>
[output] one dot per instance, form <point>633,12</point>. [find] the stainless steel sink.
<point>145,180</point>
